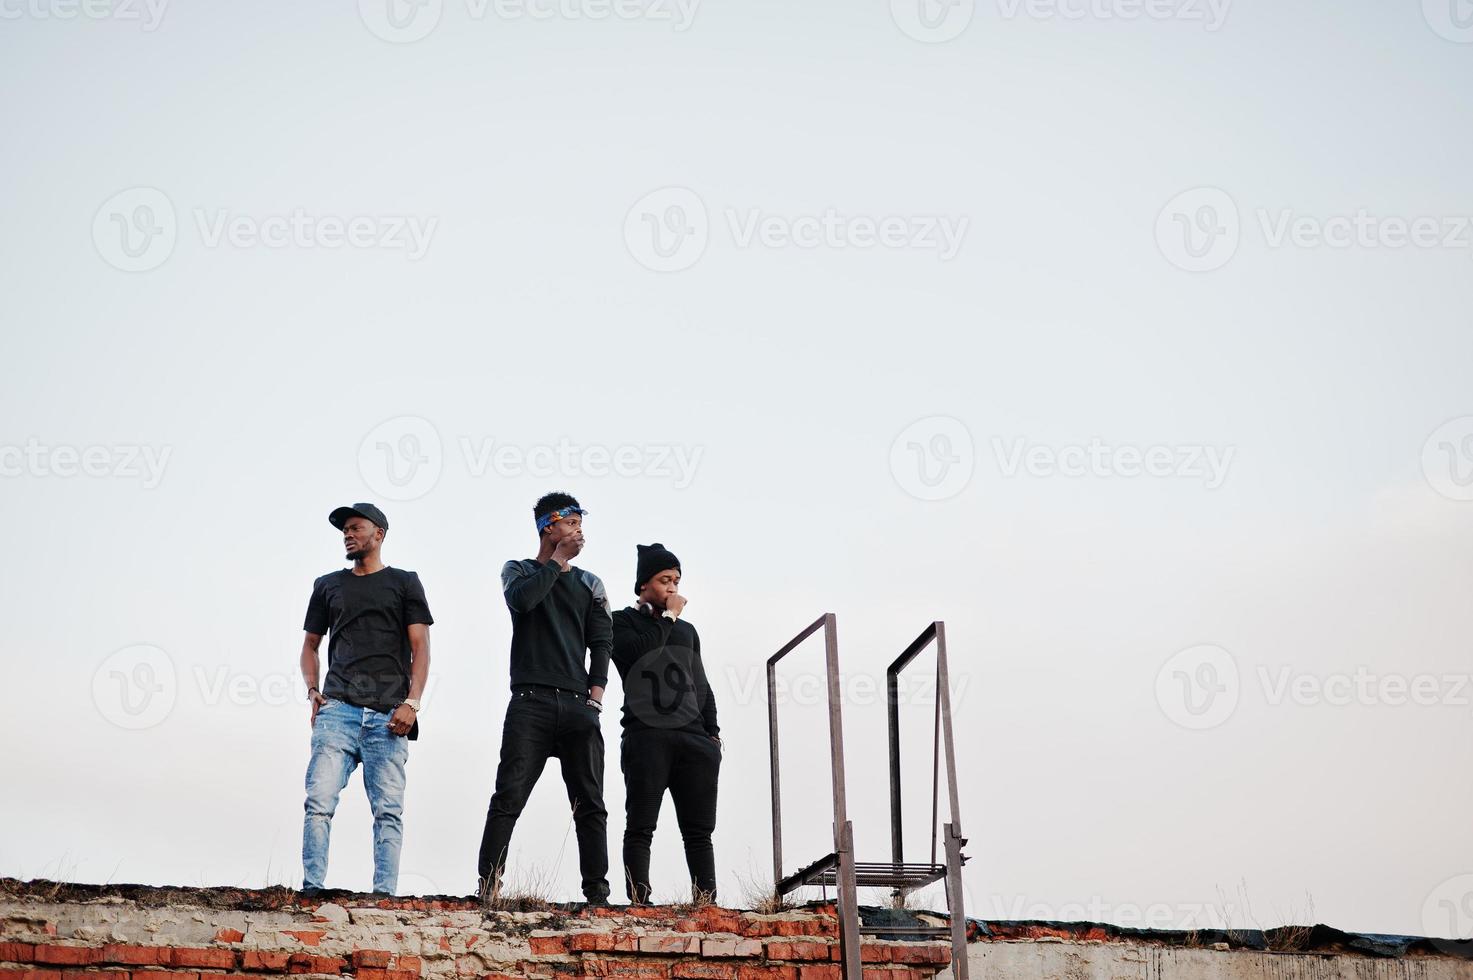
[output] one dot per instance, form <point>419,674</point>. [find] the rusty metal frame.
<point>848,897</point>
<point>934,633</point>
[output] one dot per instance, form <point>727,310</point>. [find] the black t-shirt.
<point>367,619</point>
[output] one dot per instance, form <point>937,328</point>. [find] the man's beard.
<point>355,555</point>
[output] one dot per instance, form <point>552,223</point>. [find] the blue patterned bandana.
<point>557,515</point>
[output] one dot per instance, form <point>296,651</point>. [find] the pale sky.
<point>1131,339</point>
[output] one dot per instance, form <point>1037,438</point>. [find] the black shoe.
<point>309,892</point>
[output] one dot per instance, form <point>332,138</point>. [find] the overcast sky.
<point>1131,339</point>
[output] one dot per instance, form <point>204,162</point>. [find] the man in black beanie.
<point>671,739</point>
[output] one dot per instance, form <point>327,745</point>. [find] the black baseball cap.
<point>368,512</point>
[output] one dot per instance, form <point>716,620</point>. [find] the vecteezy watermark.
<point>1451,19</point>
<point>1364,687</point>
<point>402,459</point>
<point>1191,462</point>
<point>667,230</point>
<point>1200,230</point>
<point>147,13</point>
<point>137,229</point>
<point>139,687</point>
<point>676,463</point>
<point>1198,688</point>
<point>407,21</point>
<point>121,462</point>
<point>932,21</point>
<point>1209,13</point>
<point>933,458</point>
<point>1447,915</point>
<point>1447,459</point>
<point>1182,916</point>
<point>135,687</point>
<point>747,685</point>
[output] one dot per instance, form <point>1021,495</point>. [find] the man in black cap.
<point>558,612</point>
<point>671,739</point>
<point>367,710</point>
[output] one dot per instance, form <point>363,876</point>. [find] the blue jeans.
<point>343,736</point>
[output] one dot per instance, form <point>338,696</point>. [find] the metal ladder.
<point>839,868</point>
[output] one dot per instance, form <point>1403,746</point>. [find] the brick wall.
<point>147,934</point>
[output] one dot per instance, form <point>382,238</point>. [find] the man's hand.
<point>675,602</point>
<point>315,698</point>
<point>569,544</point>
<point>402,720</point>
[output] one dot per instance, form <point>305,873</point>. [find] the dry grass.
<point>528,890</point>
<point>758,895</point>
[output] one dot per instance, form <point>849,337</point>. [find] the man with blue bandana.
<point>559,613</point>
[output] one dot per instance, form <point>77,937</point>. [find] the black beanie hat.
<point>653,559</point>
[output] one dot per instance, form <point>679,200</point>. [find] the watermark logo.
<point>135,230</point>
<point>1451,19</point>
<point>1208,464</point>
<point>677,463</point>
<point>1447,459</point>
<point>149,13</point>
<point>667,230</point>
<point>122,462</point>
<point>401,459</point>
<point>1199,230</point>
<point>665,688</point>
<point>400,21</point>
<point>1211,14</point>
<point>932,21</point>
<point>933,458</point>
<point>1198,687</point>
<point>1447,914</point>
<point>135,687</point>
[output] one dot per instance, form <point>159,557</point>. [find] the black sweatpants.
<point>542,723</point>
<point>687,764</point>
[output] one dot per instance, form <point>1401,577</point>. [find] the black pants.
<point>687,764</point>
<point>543,723</point>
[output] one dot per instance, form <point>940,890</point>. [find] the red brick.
<point>17,952</point>
<point>161,975</point>
<point>229,936</point>
<point>308,963</point>
<point>308,937</point>
<point>767,972</point>
<point>410,963</point>
<point>135,955</point>
<point>777,950</point>
<point>68,955</point>
<point>670,945</point>
<point>209,959</point>
<point>376,958</point>
<point>880,973</point>
<point>591,942</point>
<point>921,954</point>
<point>826,972</point>
<point>871,953</point>
<point>372,973</point>
<point>10,973</point>
<point>705,971</point>
<point>269,962</point>
<point>548,945</point>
